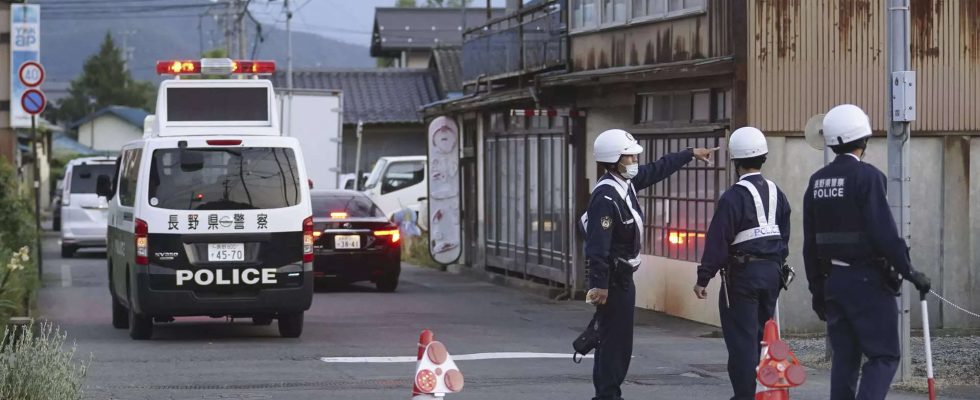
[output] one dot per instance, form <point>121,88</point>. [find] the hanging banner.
<point>445,235</point>
<point>25,47</point>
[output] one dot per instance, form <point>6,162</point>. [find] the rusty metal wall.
<point>702,35</point>
<point>806,56</point>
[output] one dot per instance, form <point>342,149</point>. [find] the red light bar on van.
<point>215,66</point>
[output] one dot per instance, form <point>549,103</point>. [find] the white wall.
<point>108,133</point>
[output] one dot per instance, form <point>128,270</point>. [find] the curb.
<point>523,285</point>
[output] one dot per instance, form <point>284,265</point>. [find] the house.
<point>108,129</point>
<point>683,74</point>
<point>385,102</point>
<point>408,35</point>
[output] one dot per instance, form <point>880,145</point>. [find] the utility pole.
<point>242,36</point>
<point>289,47</point>
<point>901,113</point>
<point>357,157</point>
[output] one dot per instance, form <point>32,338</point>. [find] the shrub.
<point>17,231</point>
<point>33,365</point>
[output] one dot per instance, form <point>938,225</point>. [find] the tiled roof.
<point>397,29</point>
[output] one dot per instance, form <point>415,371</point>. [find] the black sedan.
<point>353,240</point>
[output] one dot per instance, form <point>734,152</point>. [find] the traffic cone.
<point>779,369</point>
<point>437,374</point>
<point>425,338</point>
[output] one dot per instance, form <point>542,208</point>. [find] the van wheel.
<point>67,251</point>
<point>262,320</point>
<point>291,325</point>
<point>120,315</point>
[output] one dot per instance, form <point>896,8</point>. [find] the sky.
<point>347,20</point>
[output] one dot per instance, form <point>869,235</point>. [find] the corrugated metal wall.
<point>806,56</point>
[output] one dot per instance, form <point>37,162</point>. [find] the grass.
<point>34,365</point>
<point>415,250</point>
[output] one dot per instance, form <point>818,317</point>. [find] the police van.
<point>209,213</point>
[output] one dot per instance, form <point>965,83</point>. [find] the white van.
<point>210,213</point>
<point>83,213</point>
<point>398,182</point>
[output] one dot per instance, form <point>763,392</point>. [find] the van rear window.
<point>244,178</point>
<point>84,177</point>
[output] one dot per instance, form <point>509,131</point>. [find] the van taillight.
<point>224,142</point>
<point>308,239</point>
<point>142,242</point>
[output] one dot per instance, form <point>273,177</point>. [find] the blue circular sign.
<point>33,101</point>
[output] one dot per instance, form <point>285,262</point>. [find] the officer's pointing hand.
<point>704,154</point>
<point>701,292</point>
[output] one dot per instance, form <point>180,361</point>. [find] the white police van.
<point>209,213</point>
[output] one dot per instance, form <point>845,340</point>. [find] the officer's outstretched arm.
<point>881,225</point>
<point>659,170</point>
<point>598,238</point>
<point>721,233</point>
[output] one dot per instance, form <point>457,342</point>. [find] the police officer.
<point>748,241</point>
<point>614,233</point>
<point>853,256</point>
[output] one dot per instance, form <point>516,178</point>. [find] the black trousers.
<point>754,289</point>
<point>612,357</point>
<point>862,319</point>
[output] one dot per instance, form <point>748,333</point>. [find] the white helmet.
<point>612,144</point>
<point>844,124</point>
<point>747,142</point>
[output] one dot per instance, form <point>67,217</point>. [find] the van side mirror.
<point>103,186</point>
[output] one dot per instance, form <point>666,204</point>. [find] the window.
<point>679,209</point>
<point>614,11</point>
<point>217,104</point>
<point>400,175</point>
<point>665,8</point>
<point>681,108</point>
<point>583,13</point>
<point>130,172</point>
<point>245,178</point>
<point>354,205</point>
<point>84,177</point>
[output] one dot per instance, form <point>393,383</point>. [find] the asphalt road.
<point>204,358</point>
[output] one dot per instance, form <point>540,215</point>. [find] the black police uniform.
<point>752,248</point>
<point>613,238</point>
<point>849,231</point>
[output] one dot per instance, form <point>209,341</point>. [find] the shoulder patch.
<point>606,222</point>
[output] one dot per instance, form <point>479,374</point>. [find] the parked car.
<point>354,240</point>
<point>347,181</point>
<point>397,182</point>
<point>56,205</point>
<point>84,214</point>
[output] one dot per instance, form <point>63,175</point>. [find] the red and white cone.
<point>779,369</point>
<point>424,339</point>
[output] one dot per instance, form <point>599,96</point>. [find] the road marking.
<point>65,275</point>
<point>460,357</point>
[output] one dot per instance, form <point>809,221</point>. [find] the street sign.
<point>33,101</point>
<point>25,46</point>
<point>31,73</point>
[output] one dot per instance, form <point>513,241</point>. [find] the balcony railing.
<point>527,41</point>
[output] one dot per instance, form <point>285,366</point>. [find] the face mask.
<point>630,171</point>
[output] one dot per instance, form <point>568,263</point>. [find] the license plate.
<point>342,242</point>
<point>218,252</point>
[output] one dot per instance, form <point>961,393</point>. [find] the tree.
<point>104,82</point>
<point>406,4</point>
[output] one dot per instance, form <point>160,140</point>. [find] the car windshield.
<point>224,179</point>
<point>84,177</point>
<point>372,180</point>
<point>353,205</point>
